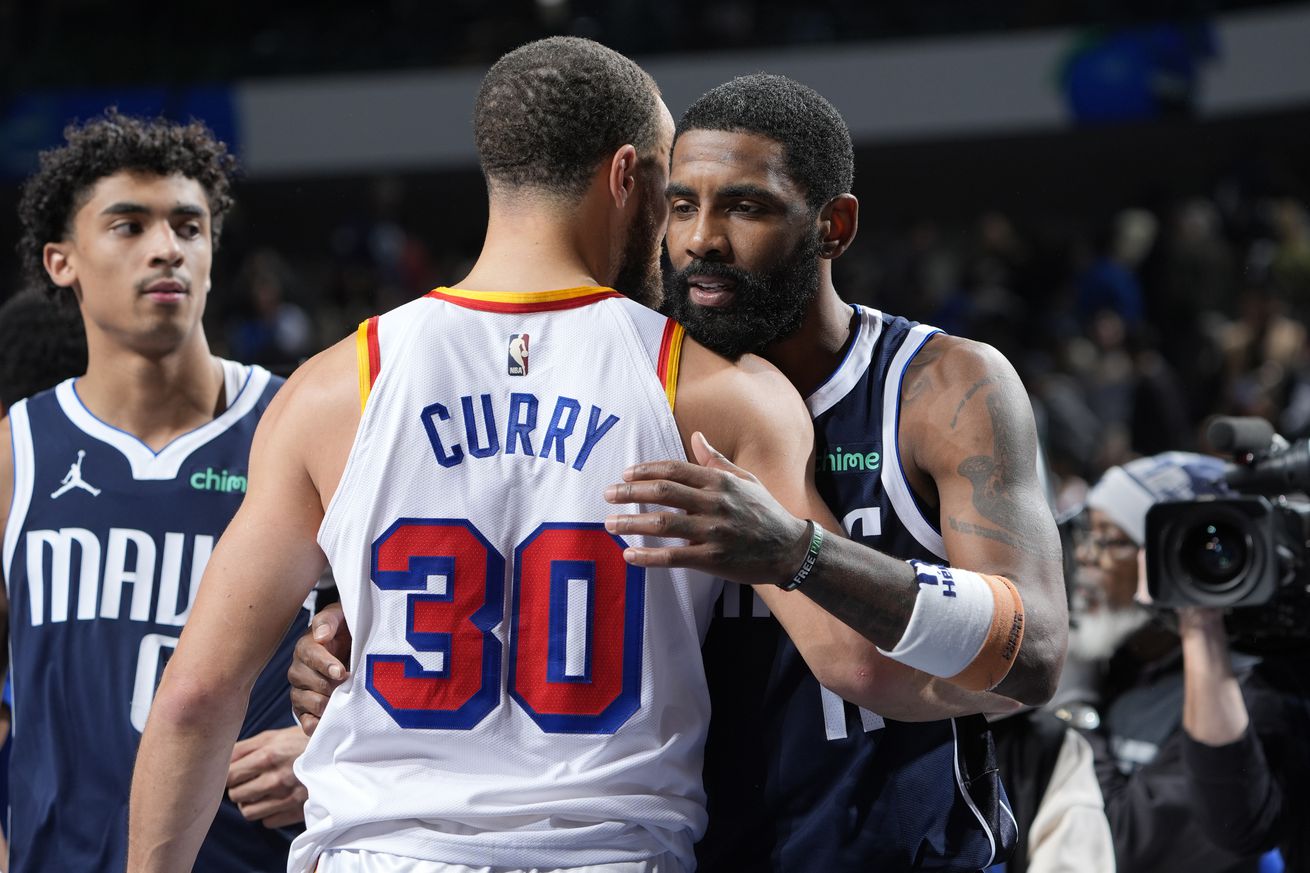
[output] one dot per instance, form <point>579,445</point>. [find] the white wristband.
<point>950,622</point>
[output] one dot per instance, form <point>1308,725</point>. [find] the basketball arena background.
<point>1013,161</point>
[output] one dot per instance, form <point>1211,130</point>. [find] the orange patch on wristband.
<point>1001,645</point>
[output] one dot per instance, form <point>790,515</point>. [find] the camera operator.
<point>1198,753</point>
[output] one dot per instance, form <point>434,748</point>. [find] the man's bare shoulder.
<point>959,399</point>
<point>312,420</point>
<point>948,362</point>
<point>730,401</point>
<point>325,385</point>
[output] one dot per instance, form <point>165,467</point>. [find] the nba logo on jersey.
<point>518,354</point>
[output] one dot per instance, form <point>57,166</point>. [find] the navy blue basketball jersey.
<point>798,779</point>
<point>103,554</point>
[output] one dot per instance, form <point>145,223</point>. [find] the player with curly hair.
<point>114,486</point>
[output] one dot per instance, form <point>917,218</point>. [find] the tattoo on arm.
<point>992,478</point>
<point>986,380</point>
<point>1014,542</point>
<point>917,379</point>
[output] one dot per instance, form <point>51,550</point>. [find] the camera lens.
<point>1214,553</point>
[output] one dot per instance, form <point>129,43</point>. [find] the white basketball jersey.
<point>519,695</point>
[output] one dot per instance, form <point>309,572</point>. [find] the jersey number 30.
<point>576,618</point>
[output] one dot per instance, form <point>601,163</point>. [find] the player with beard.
<point>798,780</point>
<point>520,697</point>
<point>925,449</point>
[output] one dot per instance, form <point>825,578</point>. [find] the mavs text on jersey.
<point>104,550</point>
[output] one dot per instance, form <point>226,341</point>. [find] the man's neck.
<point>154,398</point>
<point>809,356</point>
<point>535,246</point>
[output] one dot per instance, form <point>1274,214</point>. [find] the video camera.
<point>1249,552</point>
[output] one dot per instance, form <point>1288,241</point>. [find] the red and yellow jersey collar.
<point>529,301</point>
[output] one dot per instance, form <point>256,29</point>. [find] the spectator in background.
<point>1197,761</point>
<point>1291,263</point>
<point>41,344</point>
<point>271,330</point>
<point>1050,779</point>
<point>1263,351</point>
<point>1109,281</point>
<point>377,262</point>
<point>1193,280</point>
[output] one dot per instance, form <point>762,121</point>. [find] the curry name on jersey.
<point>519,695</point>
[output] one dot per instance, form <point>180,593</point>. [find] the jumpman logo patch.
<point>73,479</point>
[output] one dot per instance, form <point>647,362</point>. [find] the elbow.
<point>188,701</point>
<point>1036,690</point>
<point>879,685</point>
<point>1036,673</point>
<point>858,680</point>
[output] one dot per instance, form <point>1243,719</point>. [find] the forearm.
<point>862,587</point>
<point>868,590</point>
<point>1233,792</point>
<point>876,595</point>
<point>1214,712</point>
<point>178,780</point>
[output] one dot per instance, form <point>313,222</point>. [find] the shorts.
<point>360,861</point>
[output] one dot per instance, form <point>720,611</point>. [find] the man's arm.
<point>260,572</point>
<point>873,592</point>
<point>1234,791</point>
<point>967,435</point>
<point>749,527</point>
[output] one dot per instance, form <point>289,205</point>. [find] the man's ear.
<point>839,219</point>
<point>622,175</point>
<point>58,264</point>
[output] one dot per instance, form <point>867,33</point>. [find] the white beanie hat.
<point>1126,493</point>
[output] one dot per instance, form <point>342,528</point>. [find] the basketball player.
<point>520,696</point>
<point>926,451</point>
<point>114,487</point>
<point>841,787</point>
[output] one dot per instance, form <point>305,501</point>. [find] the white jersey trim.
<point>656,400</point>
<point>868,327</point>
<point>20,439</point>
<point>234,376</point>
<point>650,329</point>
<point>396,342</point>
<point>893,475</point>
<point>146,463</point>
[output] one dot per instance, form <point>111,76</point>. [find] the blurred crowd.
<point>1129,332</point>
<point>288,38</point>
<point>1128,335</point>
